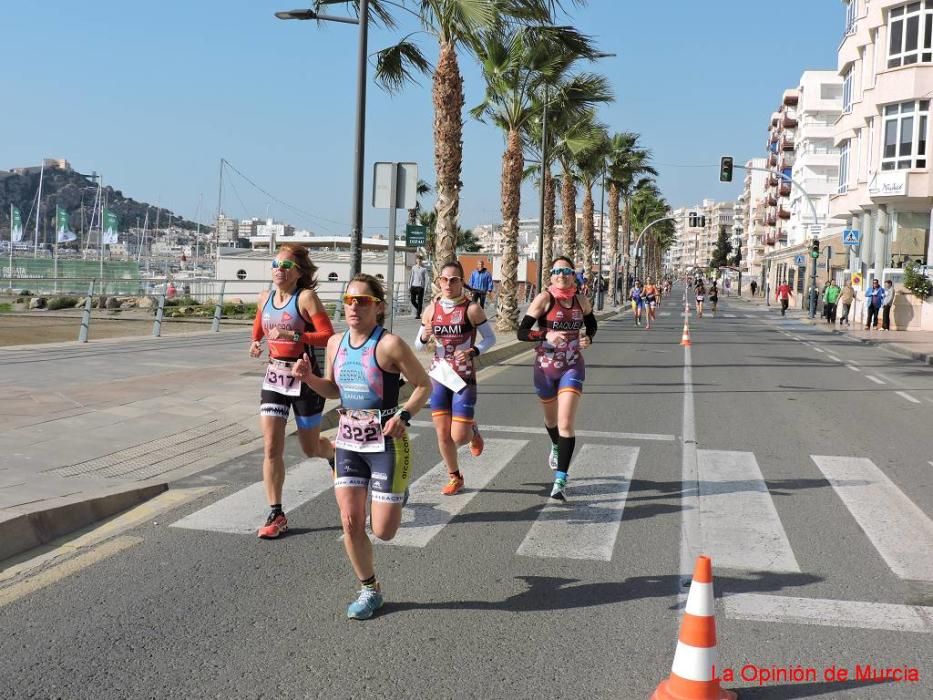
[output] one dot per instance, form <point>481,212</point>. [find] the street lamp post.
<point>356,230</point>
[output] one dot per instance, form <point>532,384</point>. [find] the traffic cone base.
<point>696,657</point>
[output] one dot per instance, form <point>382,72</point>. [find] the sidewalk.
<point>917,345</point>
<point>89,430</point>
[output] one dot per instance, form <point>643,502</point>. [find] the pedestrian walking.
<point>565,326</point>
<point>783,293</point>
<point>417,281</point>
<point>887,303</point>
<point>874,298</point>
<point>291,318</point>
<point>480,283</point>
<point>753,285</point>
<point>846,298</point>
<point>830,300</point>
<point>363,368</point>
<point>450,324</point>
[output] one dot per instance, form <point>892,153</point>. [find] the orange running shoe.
<point>454,486</point>
<point>276,524</point>
<point>476,443</point>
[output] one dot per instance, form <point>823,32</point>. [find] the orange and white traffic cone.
<point>693,671</point>
<point>685,338</point>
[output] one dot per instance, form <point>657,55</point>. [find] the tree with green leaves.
<point>721,251</point>
<point>590,165</point>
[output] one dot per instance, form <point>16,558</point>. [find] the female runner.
<point>652,299</point>
<point>290,317</point>
<point>559,370</point>
<point>638,301</point>
<point>452,321</point>
<point>363,368</point>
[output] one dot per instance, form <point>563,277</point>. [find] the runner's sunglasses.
<point>453,279</point>
<point>562,271</point>
<point>283,264</point>
<point>360,299</point>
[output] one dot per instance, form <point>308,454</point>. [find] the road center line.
<point>874,379</point>
<point>833,357</point>
<point>853,368</point>
<point>691,539</point>
<point>536,430</point>
<point>905,395</point>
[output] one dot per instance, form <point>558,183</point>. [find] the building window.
<point>843,166</point>
<point>904,135</point>
<point>910,34</point>
<point>847,91</point>
<point>851,8</point>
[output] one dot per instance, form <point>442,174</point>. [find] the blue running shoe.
<point>368,602</point>
<point>557,491</point>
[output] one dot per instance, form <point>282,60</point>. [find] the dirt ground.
<point>62,326</point>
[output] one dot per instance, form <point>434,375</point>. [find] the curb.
<point>25,531</point>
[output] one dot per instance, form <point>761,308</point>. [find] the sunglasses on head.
<point>360,299</point>
<point>283,264</point>
<point>562,271</point>
<point>453,279</point>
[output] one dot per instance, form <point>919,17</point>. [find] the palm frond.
<point>396,65</point>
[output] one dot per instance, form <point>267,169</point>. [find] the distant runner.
<point>638,301</point>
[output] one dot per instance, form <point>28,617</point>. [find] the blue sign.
<point>798,261</point>
<point>851,236</point>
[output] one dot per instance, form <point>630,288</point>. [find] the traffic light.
<point>692,219</point>
<point>815,248</point>
<point>725,169</point>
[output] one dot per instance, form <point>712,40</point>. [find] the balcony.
<point>789,123</point>
<point>771,221</point>
<point>791,98</point>
<point>782,237</point>
<point>787,143</point>
<point>773,181</point>
<point>772,160</point>
<point>772,200</point>
<point>784,190</point>
<point>783,213</point>
<point>774,121</point>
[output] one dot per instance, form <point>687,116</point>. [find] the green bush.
<point>5,307</point>
<point>917,283</point>
<point>56,303</point>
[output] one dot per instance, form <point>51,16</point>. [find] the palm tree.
<point>648,205</point>
<point>422,189</point>
<point>629,163</point>
<point>515,62</point>
<point>453,24</point>
<point>590,165</point>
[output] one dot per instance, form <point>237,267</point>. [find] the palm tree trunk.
<point>588,241</point>
<point>613,200</point>
<point>549,206</point>
<point>627,238</point>
<point>512,165</point>
<point>448,151</point>
<point>568,205</point>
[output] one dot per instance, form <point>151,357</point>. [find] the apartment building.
<point>750,213</point>
<point>885,187</point>
<point>693,245</point>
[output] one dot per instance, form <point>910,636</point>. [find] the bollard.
<point>157,326</point>
<point>219,308</point>
<point>86,316</point>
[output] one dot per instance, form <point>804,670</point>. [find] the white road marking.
<point>740,525</point>
<point>730,316</point>
<point>905,395</point>
<point>242,512</point>
<point>428,511</point>
<point>833,357</point>
<point>750,316</point>
<point>874,379</point>
<point>665,313</point>
<point>818,349</point>
<point>586,526</point>
<point>899,530</point>
<point>537,430</point>
<point>853,368</point>
<point>831,613</point>
<point>691,544</point>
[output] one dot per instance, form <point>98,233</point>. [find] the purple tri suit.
<point>454,332</point>
<point>560,368</point>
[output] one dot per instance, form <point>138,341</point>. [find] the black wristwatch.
<point>405,416</point>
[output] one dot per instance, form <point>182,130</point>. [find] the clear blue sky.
<point>152,95</point>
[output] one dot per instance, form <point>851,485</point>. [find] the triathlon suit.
<point>280,390</point>
<point>701,293</point>
<point>369,397</point>
<point>651,294</point>
<point>560,368</point>
<point>714,295</point>
<point>636,296</point>
<point>454,332</point>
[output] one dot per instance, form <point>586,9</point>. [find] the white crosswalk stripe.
<point>428,511</point>
<point>740,526</point>
<point>899,530</point>
<point>586,526</point>
<point>730,316</point>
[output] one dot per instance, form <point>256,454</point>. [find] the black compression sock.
<point>553,433</point>
<point>369,582</point>
<point>565,447</point>
<point>276,508</point>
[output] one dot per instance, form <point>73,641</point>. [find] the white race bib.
<point>280,380</point>
<point>360,430</point>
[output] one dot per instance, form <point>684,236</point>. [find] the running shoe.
<point>552,458</point>
<point>276,524</point>
<point>637,321</point>
<point>476,443</point>
<point>557,491</point>
<point>454,486</point>
<point>367,603</point>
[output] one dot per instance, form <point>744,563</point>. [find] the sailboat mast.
<point>35,248</point>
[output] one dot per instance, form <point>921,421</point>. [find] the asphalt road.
<point>807,481</point>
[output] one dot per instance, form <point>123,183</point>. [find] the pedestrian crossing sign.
<point>851,236</point>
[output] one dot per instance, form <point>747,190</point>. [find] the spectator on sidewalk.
<point>874,296</point>
<point>886,303</point>
<point>754,287</point>
<point>417,281</point>
<point>480,283</point>
<point>830,299</point>
<point>783,294</point>
<point>846,297</point>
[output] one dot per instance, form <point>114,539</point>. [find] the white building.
<point>750,216</point>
